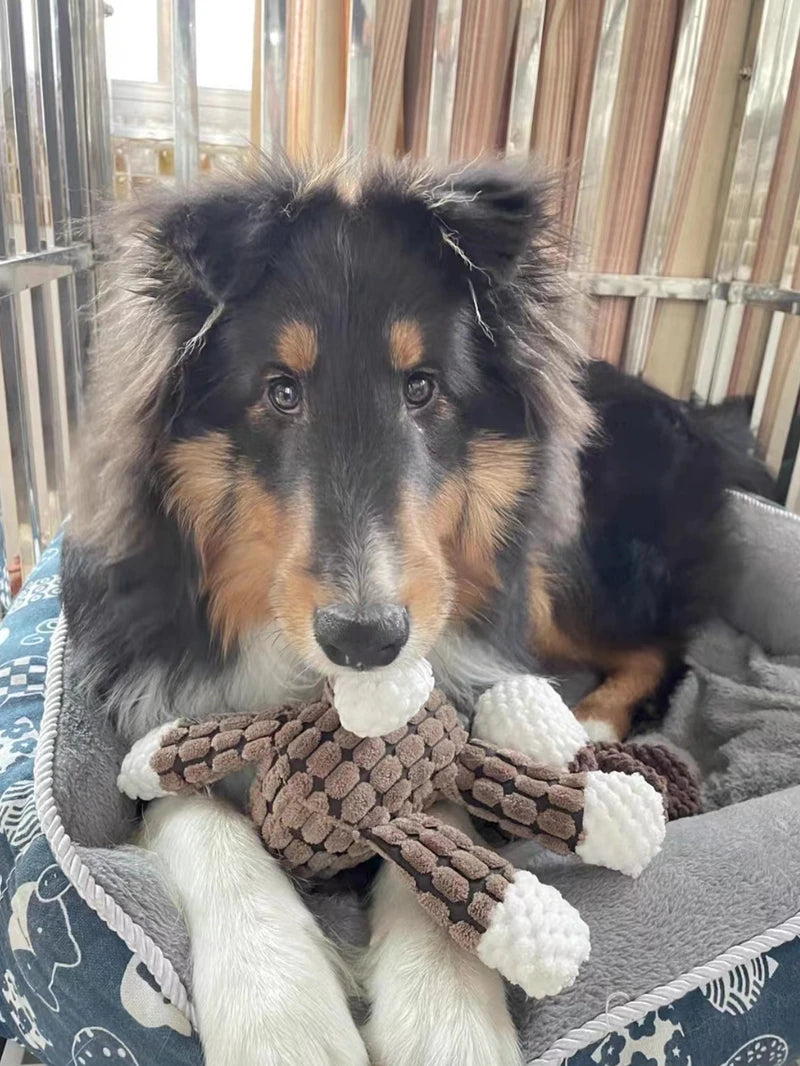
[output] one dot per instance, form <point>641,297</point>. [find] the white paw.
<point>600,732</point>
<point>290,1017</point>
<point>536,939</point>
<point>623,822</point>
<point>265,984</point>
<point>376,702</point>
<point>136,777</point>
<point>431,1001</point>
<point>526,713</point>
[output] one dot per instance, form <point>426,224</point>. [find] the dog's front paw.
<point>430,1001</point>
<point>137,778</point>
<point>451,1017</point>
<point>298,1018</point>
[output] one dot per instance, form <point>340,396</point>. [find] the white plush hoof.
<point>137,778</point>
<point>526,713</point>
<point>536,939</point>
<point>623,822</point>
<point>376,702</point>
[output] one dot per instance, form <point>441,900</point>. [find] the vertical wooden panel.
<point>487,29</point>
<point>635,132</point>
<point>391,35</point>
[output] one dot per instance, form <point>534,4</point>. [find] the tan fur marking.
<point>241,532</point>
<point>634,676</point>
<point>297,346</point>
<point>497,474</point>
<point>631,675</point>
<point>199,472</point>
<point>451,542</point>
<point>406,344</point>
<point>297,592</point>
<point>427,588</point>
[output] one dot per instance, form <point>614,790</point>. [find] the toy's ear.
<point>490,216</point>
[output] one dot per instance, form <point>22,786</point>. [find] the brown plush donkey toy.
<point>325,798</point>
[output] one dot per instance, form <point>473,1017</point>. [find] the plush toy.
<point>326,798</point>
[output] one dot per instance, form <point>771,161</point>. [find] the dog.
<point>335,419</point>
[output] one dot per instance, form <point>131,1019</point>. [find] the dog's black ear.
<point>214,245</point>
<point>490,217</point>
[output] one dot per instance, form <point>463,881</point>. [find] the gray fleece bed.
<point>694,963</point>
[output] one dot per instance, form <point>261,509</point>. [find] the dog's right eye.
<point>284,394</point>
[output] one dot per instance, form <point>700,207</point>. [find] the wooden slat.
<point>634,138</point>
<point>563,96</point>
<point>391,34</point>
<point>479,115</point>
<point>701,184</point>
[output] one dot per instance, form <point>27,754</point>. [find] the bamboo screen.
<point>674,126</point>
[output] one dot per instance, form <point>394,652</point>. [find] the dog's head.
<point>345,395</point>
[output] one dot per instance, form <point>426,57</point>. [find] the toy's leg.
<point>183,755</point>
<point>264,982</point>
<point>608,819</point>
<point>430,1000</point>
<point>513,922</point>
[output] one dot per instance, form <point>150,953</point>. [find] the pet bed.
<point>698,962</point>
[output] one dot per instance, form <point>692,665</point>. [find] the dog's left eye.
<point>284,394</point>
<point>420,388</point>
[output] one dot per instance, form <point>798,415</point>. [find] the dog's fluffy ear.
<point>491,216</point>
<point>213,245</point>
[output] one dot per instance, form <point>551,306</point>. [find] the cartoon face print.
<point>40,934</point>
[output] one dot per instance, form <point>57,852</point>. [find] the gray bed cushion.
<point>721,879</point>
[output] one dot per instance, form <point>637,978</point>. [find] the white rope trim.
<point>636,1009</point>
<point>65,852</point>
<point>764,505</point>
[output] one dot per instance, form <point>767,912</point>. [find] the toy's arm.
<point>524,798</point>
<point>515,924</point>
<point>608,819</point>
<point>184,755</point>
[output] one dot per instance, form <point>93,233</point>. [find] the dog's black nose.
<point>361,637</point>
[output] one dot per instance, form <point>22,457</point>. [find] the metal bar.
<point>655,286</point>
<point>53,123</point>
<point>98,128</point>
<point>273,75</point>
<point>66,26</point>
<point>726,352</point>
<point>793,495</point>
<point>11,547</point>
<point>525,77</point>
<point>27,271</point>
<point>359,75</point>
<point>184,91</point>
<point>662,197</point>
<point>443,79</point>
<point>765,374</point>
<point>26,148</point>
<point>8,154</point>
<point>601,110</point>
<point>28,502</point>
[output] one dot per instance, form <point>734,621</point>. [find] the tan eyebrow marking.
<point>406,344</point>
<point>297,346</point>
